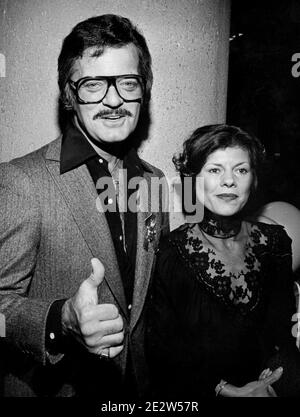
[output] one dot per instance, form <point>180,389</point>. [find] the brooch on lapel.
<point>151,232</point>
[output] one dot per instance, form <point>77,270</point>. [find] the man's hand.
<point>98,327</point>
<point>260,388</point>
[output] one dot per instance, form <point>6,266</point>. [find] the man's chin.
<point>112,135</point>
<point>111,139</point>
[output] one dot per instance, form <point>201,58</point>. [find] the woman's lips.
<point>227,196</point>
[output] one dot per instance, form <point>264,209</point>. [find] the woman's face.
<point>227,179</point>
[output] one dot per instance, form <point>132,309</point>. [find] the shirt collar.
<point>76,151</point>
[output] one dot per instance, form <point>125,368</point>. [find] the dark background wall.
<point>264,88</point>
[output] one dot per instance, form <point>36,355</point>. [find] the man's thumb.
<point>97,274</point>
<point>88,288</point>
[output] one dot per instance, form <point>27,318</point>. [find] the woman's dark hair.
<point>207,139</point>
<point>100,32</point>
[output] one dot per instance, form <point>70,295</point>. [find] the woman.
<point>222,298</point>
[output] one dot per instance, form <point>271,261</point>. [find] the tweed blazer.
<point>50,228</point>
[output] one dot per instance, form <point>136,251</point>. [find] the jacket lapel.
<point>80,195</point>
<point>145,251</point>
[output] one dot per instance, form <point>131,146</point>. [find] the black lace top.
<point>210,319</point>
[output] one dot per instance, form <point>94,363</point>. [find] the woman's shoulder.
<point>171,255</point>
<point>281,212</point>
<point>178,235</point>
<point>182,230</point>
<point>274,236</point>
<point>173,245</point>
<point>269,229</point>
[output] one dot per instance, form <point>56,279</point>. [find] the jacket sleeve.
<point>20,227</point>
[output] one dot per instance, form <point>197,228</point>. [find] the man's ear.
<point>68,98</point>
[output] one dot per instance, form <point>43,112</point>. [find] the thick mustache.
<point>117,112</point>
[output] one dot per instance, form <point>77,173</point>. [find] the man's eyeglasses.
<point>91,90</point>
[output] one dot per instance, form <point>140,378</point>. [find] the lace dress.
<point>208,322</point>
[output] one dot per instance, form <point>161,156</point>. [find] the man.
<point>70,331</point>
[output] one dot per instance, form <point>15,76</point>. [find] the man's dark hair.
<point>100,32</point>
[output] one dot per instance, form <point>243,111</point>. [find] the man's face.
<point>113,119</point>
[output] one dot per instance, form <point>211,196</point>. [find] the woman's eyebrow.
<point>218,164</point>
<point>242,163</point>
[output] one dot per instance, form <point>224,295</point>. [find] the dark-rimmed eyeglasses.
<point>92,90</point>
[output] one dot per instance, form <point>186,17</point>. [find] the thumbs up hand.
<point>98,327</point>
<point>88,289</point>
